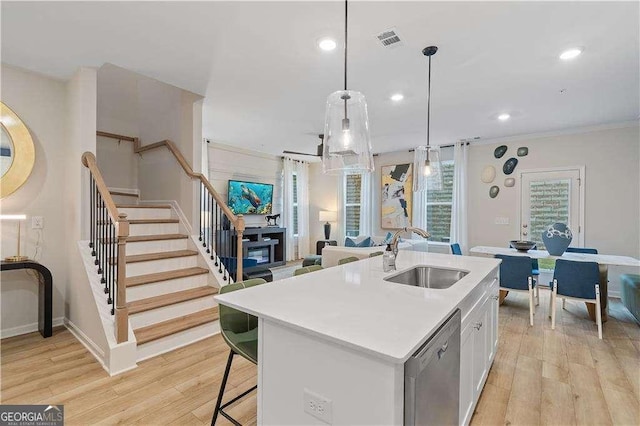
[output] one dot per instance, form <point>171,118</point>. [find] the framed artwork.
<point>397,196</point>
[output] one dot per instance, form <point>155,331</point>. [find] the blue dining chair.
<point>515,275</point>
<point>582,250</point>
<point>455,249</point>
<point>577,281</point>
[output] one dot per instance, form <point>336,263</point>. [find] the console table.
<point>45,293</point>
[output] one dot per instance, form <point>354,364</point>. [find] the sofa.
<point>332,254</point>
<point>630,292</point>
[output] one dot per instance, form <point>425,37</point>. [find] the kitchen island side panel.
<point>362,389</point>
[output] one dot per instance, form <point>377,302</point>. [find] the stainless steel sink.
<point>428,277</point>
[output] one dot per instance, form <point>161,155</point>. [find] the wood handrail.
<point>121,225</point>
<point>89,161</point>
<point>237,221</point>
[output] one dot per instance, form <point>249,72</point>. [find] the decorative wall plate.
<point>493,191</point>
<point>500,151</point>
<point>488,174</point>
<point>522,151</point>
<point>509,182</point>
<point>510,165</point>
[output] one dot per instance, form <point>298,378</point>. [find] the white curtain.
<point>297,247</point>
<point>303,208</point>
<point>366,205</point>
<point>459,205</point>
<point>419,215</point>
<point>341,232</point>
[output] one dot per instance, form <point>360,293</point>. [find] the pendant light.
<point>426,160</point>
<point>347,143</point>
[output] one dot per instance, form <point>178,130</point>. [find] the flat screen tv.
<point>250,197</point>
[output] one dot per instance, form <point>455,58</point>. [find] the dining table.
<point>603,261</point>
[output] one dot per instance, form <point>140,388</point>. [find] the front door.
<point>550,196</point>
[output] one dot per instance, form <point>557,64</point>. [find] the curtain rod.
<point>439,146</point>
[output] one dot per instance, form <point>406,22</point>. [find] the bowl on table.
<point>521,245</point>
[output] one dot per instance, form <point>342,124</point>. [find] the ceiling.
<point>266,82</point>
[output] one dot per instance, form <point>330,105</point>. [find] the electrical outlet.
<point>37,222</point>
<point>501,221</point>
<point>318,406</point>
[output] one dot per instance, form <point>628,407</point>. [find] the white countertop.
<point>352,305</point>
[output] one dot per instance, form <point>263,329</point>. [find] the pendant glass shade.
<point>427,169</point>
<point>347,143</point>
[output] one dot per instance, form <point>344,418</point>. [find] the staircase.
<point>169,286</point>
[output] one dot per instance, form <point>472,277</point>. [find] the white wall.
<point>134,105</point>
<point>612,197</point>
<point>231,163</point>
<point>40,102</point>
<point>80,308</point>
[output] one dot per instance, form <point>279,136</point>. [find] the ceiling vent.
<point>389,38</point>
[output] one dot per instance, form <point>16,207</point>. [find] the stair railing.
<point>220,230</point>
<point>108,234</point>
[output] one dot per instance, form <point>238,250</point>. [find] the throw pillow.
<point>348,242</point>
<point>365,243</point>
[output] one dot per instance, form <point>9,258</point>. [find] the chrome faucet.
<point>396,237</point>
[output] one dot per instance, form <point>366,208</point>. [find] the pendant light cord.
<point>346,12</point>
<point>428,104</point>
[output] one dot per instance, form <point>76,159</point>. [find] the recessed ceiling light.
<point>570,54</point>
<point>327,44</point>
<point>504,117</point>
<point>397,97</point>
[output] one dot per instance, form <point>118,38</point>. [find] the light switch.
<point>501,221</point>
<point>37,222</point>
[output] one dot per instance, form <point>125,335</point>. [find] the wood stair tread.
<point>143,206</point>
<point>125,194</point>
<point>165,276</point>
<point>143,221</point>
<point>134,258</point>
<point>175,325</point>
<point>156,237</point>
<point>155,302</point>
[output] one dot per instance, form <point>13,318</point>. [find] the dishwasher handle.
<point>437,344</point>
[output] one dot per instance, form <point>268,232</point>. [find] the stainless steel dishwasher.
<point>432,378</point>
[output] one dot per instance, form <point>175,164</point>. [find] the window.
<point>295,204</point>
<point>439,206</point>
<point>352,191</point>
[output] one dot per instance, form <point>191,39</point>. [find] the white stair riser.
<point>161,265</point>
<point>153,316</point>
<point>177,340</point>
<point>123,199</point>
<point>153,229</point>
<point>165,287</point>
<point>142,213</point>
<point>143,247</point>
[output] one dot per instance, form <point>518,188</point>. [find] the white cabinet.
<point>478,344</point>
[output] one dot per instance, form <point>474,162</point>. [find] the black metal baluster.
<point>219,234</point>
<point>113,260</point>
<point>214,227</point>
<point>96,246</point>
<point>91,211</point>
<point>200,211</point>
<point>207,208</point>
<point>227,254</point>
<point>212,204</point>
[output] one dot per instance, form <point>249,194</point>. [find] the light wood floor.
<point>540,376</point>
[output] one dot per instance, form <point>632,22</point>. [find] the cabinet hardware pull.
<point>495,297</point>
<point>478,326</point>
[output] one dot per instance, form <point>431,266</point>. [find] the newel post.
<point>122,310</point>
<point>239,255</point>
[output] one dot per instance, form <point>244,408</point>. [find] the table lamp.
<point>327,216</point>
<point>19,218</point>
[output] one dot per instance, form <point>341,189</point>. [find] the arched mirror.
<point>17,153</point>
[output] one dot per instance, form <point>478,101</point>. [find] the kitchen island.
<point>341,336</point>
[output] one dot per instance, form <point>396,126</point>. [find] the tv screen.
<point>250,197</point>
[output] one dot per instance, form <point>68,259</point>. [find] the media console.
<point>267,245</point>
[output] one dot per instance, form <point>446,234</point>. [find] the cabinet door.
<point>467,388</point>
<point>480,346</point>
<point>493,322</point>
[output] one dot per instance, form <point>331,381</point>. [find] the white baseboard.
<point>94,349</point>
<point>29,328</point>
